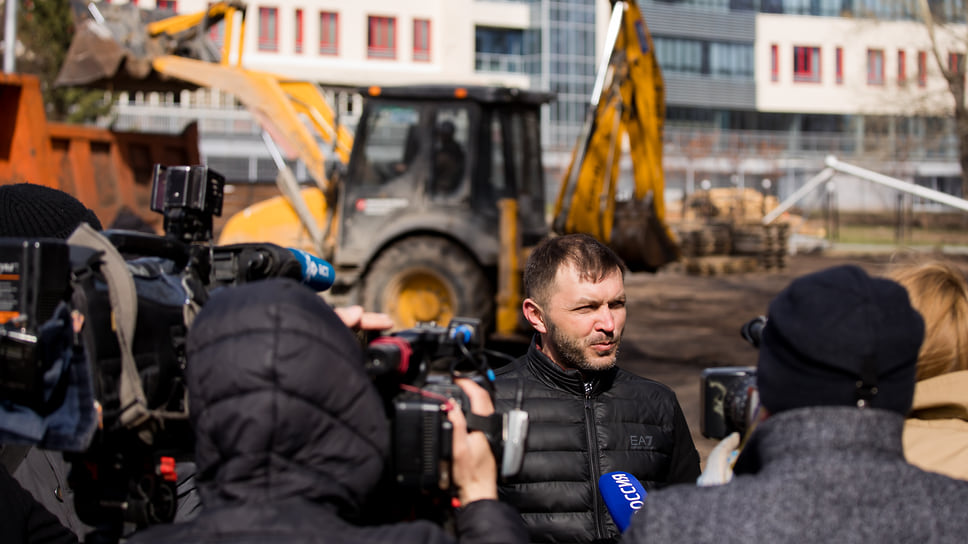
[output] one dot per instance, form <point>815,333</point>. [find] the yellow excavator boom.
<point>628,104</point>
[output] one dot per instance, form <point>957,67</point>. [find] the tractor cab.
<point>433,163</point>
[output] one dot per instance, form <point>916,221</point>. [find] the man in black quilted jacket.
<point>291,435</point>
<point>588,417</point>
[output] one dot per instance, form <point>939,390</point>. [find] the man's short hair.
<point>592,259</point>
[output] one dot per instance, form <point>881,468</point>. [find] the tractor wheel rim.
<point>420,296</point>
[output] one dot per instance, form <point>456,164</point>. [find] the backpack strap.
<point>124,312</point>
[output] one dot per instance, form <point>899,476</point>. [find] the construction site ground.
<point>679,323</point>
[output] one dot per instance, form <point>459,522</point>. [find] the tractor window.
<point>527,161</point>
<point>499,182</point>
<point>528,174</point>
<point>392,144</point>
<point>451,128</point>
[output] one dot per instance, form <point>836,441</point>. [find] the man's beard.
<point>572,352</point>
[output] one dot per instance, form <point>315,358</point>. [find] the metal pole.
<point>906,187</point>
<point>823,176</point>
<point>10,36</point>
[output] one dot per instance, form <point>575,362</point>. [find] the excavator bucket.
<point>112,48</point>
<point>629,101</point>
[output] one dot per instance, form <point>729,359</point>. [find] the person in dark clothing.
<point>836,377</point>
<point>24,520</point>
<point>28,210</point>
<point>291,434</point>
<point>448,158</point>
<point>588,417</point>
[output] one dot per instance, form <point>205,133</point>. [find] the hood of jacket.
<point>280,401</point>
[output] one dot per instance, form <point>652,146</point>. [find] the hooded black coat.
<point>291,435</point>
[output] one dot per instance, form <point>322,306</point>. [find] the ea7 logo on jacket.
<point>640,442</point>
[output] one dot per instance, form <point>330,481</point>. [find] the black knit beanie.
<point>839,337</point>
<point>36,211</point>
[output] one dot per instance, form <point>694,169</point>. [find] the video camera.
<point>729,398</point>
<point>34,280</point>
<point>138,294</point>
<point>414,370</point>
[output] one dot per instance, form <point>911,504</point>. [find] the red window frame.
<point>421,40</point>
<point>775,62</point>
<point>806,64</point>
<point>901,67</point>
<point>875,66</point>
<point>922,69</point>
<point>268,29</point>
<point>298,45</point>
<point>381,37</point>
<point>216,32</point>
<point>839,64</point>
<point>167,4</point>
<point>954,62</point>
<point>328,33</point>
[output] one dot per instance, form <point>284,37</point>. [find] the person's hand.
<point>474,468</point>
<point>358,319</point>
<point>719,464</point>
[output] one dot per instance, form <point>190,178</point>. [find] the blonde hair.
<point>939,291</point>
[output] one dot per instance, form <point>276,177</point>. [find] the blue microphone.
<point>623,494</point>
<point>316,273</point>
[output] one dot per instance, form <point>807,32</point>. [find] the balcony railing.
<point>497,62</point>
<point>222,132</point>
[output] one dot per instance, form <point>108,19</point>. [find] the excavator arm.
<point>627,104</point>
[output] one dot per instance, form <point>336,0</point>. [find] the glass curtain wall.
<point>560,56</point>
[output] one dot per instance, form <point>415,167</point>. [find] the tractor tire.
<point>426,279</point>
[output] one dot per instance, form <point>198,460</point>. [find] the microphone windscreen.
<point>316,273</point>
<point>623,495</point>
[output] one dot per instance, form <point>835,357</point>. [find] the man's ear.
<point>534,315</point>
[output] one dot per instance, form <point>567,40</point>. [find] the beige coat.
<point>936,433</point>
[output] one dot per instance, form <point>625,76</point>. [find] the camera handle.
<point>149,245</point>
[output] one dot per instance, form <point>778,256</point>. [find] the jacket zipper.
<point>592,438</point>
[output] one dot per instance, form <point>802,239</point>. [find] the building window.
<point>875,66</point>
<point>806,64</point>
<point>268,29</point>
<point>901,68</point>
<point>775,62</point>
<point>922,68</point>
<point>700,57</point>
<point>170,5</point>
<point>328,33</point>
<point>217,31</point>
<point>421,39</point>
<point>298,46</point>
<point>956,63</point>
<point>839,64</point>
<point>498,49</point>
<point>381,40</point>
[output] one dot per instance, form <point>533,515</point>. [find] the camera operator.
<point>291,435</point>
<point>35,211</point>
<point>835,376</point>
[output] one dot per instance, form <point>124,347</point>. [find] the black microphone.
<point>624,496</point>
<point>753,330</point>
